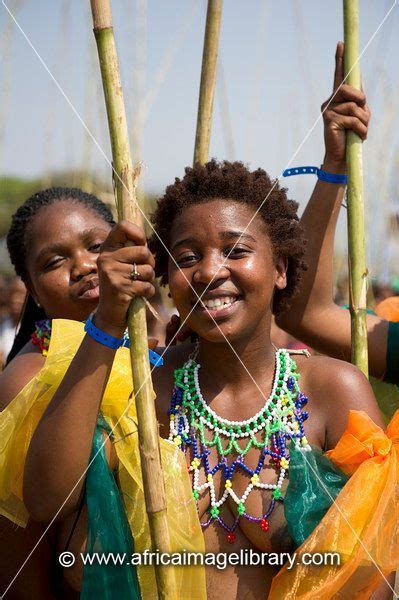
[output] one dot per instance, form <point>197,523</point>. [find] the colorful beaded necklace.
<point>42,335</point>
<point>193,424</point>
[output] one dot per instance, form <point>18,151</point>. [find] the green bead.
<point>195,494</point>
<point>277,494</point>
<point>223,427</point>
<point>247,428</point>
<point>239,430</point>
<point>241,509</point>
<point>214,512</point>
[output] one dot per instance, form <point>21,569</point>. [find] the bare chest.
<point>240,469</point>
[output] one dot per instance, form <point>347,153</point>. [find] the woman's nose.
<point>211,269</point>
<point>84,264</point>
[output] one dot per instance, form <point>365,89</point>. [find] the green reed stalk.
<point>355,202</point>
<point>125,184</point>
<point>208,81</point>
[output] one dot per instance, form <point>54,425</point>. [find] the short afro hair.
<point>234,181</point>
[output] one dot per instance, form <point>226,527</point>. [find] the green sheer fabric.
<point>108,531</point>
<point>313,485</point>
<point>391,374</point>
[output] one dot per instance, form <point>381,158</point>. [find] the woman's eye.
<point>95,247</point>
<point>52,263</point>
<point>236,252</point>
<point>186,259</point>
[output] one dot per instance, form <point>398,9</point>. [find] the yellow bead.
<point>209,477</point>
<point>177,440</point>
<point>295,426</point>
<point>304,441</point>
<point>227,485</point>
<point>255,478</point>
<point>284,463</point>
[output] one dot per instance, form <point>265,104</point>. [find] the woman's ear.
<point>281,266</point>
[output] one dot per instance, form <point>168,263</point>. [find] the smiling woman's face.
<point>62,249</point>
<point>237,291</point>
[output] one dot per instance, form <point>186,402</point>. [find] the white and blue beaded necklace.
<point>194,425</point>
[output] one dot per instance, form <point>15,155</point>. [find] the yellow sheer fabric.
<point>362,525</point>
<point>19,420</point>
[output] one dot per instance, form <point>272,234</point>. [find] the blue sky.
<point>277,66</point>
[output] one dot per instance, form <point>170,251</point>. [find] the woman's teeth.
<point>219,303</point>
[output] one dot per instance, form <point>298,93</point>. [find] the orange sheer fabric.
<point>361,525</point>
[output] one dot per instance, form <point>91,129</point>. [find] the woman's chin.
<point>80,313</point>
<point>218,335</point>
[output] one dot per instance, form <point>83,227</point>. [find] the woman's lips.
<point>91,293</point>
<point>90,290</point>
<point>218,312</point>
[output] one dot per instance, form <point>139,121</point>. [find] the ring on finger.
<point>135,275</point>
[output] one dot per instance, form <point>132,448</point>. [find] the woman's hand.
<point>123,253</point>
<point>345,109</point>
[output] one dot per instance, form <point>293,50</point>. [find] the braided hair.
<point>17,244</point>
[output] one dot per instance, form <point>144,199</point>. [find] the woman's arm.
<point>313,316</point>
<point>60,449</point>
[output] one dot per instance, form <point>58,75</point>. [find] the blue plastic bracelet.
<point>154,358</point>
<point>100,336</point>
<point>339,178</point>
<point>112,342</point>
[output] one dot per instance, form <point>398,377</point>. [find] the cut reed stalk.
<point>125,181</point>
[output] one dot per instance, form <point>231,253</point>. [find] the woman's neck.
<point>237,364</point>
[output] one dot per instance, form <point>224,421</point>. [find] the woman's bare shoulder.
<point>338,387</point>
<point>24,367</point>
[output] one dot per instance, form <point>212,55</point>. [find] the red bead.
<point>264,524</point>
<point>231,537</point>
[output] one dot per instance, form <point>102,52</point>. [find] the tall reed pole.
<point>208,80</point>
<point>125,183</point>
<point>356,240</point>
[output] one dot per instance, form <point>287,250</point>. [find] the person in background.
<point>15,294</point>
<point>314,317</point>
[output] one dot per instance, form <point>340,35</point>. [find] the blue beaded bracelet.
<point>339,178</point>
<point>112,342</point>
<point>100,336</point>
